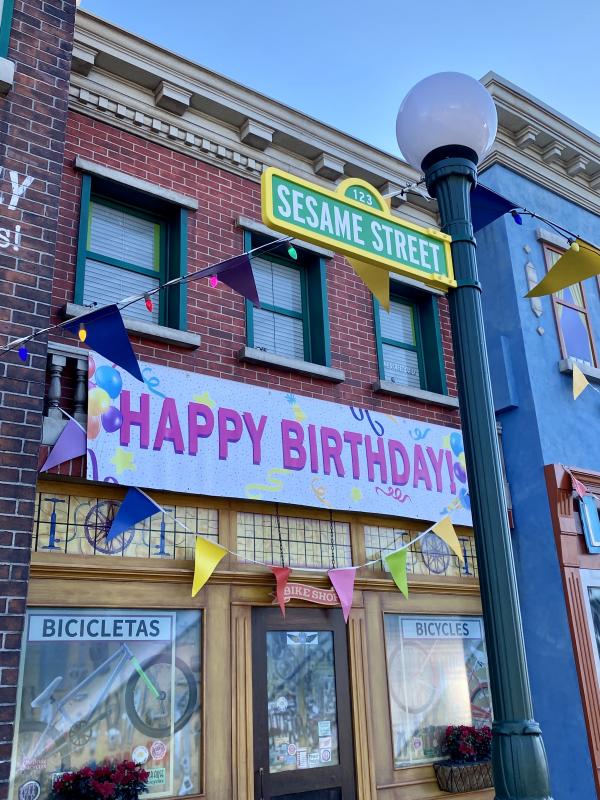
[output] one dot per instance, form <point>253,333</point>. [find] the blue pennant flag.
<point>487,206</point>
<point>135,507</point>
<point>105,333</point>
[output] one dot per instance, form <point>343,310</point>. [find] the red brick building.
<point>160,178</point>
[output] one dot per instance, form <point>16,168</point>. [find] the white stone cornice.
<point>225,122</point>
<point>543,145</point>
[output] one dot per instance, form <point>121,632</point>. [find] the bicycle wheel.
<point>151,715</point>
<point>97,524</point>
<point>49,759</point>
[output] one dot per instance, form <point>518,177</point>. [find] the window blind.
<point>280,289</point>
<point>125,237</point>
<point>107,284</point>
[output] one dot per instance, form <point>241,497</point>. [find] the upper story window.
<point>572,318</point>
<point>6,13</point>
<point>292,320</point>
<point>129,243</point>
<point>408,339</point>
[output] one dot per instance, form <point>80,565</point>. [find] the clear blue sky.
<point>349,63</point>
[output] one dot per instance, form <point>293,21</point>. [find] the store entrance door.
<point>302,717</point>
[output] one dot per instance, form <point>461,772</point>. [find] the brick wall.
<point>218,314</point>
<point>32,123</point>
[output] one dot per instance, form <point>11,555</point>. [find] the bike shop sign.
<point>90,628</point>
<point>441,628</point>
<point>184,432</point>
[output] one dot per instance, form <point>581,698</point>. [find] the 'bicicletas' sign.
<point>356,222</point>
<point>185,432</point>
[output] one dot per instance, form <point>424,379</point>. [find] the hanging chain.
<point>279,534</point>
<point>332,534</point>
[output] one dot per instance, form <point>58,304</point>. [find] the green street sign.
<point>355,221</point>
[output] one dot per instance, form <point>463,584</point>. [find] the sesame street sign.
<point>355,221</point>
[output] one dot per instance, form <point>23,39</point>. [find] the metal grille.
<point>429,556</point>
<point>306,542</point>
<point>79,524</point>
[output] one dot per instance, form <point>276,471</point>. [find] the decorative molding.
<point>551,237</point>
<point>172,98</point>
<point>565,366</point>
<point>84,59</point>
<point>328,167</point>
<point>526,137</point>
<point>136,183</point>
<point>255,134</point>
<point>397,389</point>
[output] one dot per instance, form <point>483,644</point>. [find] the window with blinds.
<point>279,325</point>
<point>572,318</point>
<point>123,257</point>
<point>400,345</point>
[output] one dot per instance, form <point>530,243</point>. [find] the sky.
<point>349,63</point>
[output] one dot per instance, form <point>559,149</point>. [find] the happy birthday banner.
<point>184,432</point>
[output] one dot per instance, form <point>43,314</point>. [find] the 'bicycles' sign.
<point>185,432</point>
<point>89,628</point>
<point>356,221</point>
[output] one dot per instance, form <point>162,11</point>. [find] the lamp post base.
<point>519,761</point>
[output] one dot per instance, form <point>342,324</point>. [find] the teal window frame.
<point>5,26</point>
<point>428,337</point>
<point>313,288</point>
<point>173,228</point>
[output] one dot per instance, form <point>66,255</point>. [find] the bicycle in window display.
<point>67,724</point>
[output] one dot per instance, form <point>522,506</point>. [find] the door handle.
<point>260,776</point>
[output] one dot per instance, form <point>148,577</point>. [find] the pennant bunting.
<point>281,578</point>
<point>445,530</point>
<point>71,443</point>
<point>207,555</point>
<point>573,266</point>
<point>487,206</point>
<point>237,274</point>
<point>342,581</point>
<point>376,279</point>
<point>136,507</point>
<point>105,333</point>
<point>396,563</point>
<point>580,382</point>
<point>578,486</point>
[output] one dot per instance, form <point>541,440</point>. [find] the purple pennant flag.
<point>71,443</point>
<point>135,507</point>
<point>487,206</point>
<point>106,334</point>
<point>237,274</point>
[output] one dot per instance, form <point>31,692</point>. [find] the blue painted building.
<point>547,164</point>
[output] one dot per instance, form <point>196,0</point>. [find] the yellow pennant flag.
<point>580,382</point>
<point>206,557</point>
<point>445,530</point>
<point>377,279</point>
<point>573,266</point>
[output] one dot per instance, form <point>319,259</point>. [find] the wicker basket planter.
<point>463,777</point>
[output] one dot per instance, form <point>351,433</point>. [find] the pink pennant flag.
<point>578,486</point>
<point>342,581</point>
<point>281,577</point>
<point>71,443</point>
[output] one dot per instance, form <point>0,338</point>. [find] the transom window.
<point>572,318</point>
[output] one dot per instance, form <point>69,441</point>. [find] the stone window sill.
<point>147,330</point>
<point>388,387</point>
<point>264,358</point>
<point>7,75</point>
<point>591,373</point>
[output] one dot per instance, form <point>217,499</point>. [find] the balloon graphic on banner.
<point>98,402</point>
<point>112,419</point>
<point>93,427</point>
<point>109,379</point>
<point>91,366</point>
<point>464,498</point>
<point>459,471</point>
<point>456,443</point>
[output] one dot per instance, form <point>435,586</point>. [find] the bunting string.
<point>106,309</point>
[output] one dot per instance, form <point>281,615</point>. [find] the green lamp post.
<point>445,125</point>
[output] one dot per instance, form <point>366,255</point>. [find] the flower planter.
<point>453,776</point>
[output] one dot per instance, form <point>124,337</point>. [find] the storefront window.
<point>110,684</point>
<point>301,700</point>
<point>437,676</point>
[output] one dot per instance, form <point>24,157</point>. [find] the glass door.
<point>302,718</point>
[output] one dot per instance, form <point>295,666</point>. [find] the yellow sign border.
<point>271,221</point>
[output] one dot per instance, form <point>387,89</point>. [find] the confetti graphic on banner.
<point>253,490</point>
